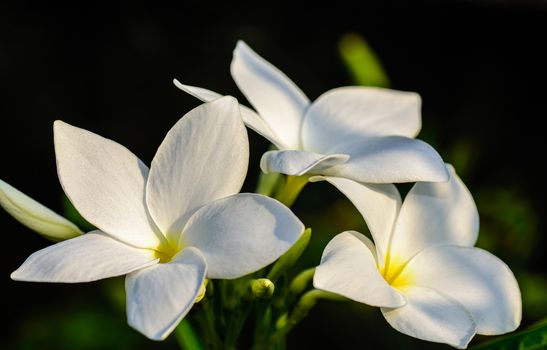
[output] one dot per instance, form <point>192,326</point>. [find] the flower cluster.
<point>172,227</point>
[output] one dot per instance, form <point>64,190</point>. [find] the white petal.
<point>348,268</point>
<point>160,296</point>
<point>250,117</point>
<point>90,257</point>
<point>431,316</point>
<point>390,159</point>
<point>36,216</point>
<point>354,113</point>
<point>106,183</point>
<point>481,282</point>
<point>242,233</point>
<point>203,157</point>
<point>298,163</point>
<point>378,203</point>
<point>433,214</point>
<point>274,96</point>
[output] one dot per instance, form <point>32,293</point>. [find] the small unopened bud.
<point>262,288</point>
<point>202,290</point>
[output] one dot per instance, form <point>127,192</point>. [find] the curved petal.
<point>203,157</point>
<point>378,203</point>
<point>86,258</point>
<point>348,268</point>
<point>274,96</point>
<point>298,163</point>
<point>160,296</point>
<point>241,234</point>
<point>390,159</point>
<point>106,183</point>
<point>250,117</point>
<point>433,214</point>
<point>36,216</point>
<point>354,113</point>
<point>431,316</point>
<point>481,282</point>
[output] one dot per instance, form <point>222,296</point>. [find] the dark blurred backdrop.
<point>478,65</point>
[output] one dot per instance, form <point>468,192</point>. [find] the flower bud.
<point>262,288</point>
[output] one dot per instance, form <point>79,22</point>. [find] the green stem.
<point>291,189</point>
<point>301,281</point>
<point>187,337</point>
<point>287,322</point>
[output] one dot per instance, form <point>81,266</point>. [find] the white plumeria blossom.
<point>36,216</point>
<point>167,228</point>
<point>422,269</point>
<point>360,133</point>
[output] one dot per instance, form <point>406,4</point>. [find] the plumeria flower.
<point>36,216</point>
<point>167,228</point>
<point>422,269</point>
<point>360,133</point>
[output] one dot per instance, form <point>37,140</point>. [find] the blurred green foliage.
<point>534,338</point>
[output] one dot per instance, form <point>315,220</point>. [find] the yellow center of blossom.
<point>394,272</point>
<point>166,250</point>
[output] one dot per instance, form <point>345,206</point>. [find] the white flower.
<point>36,216</point>
<point>422,269</point>
<point>167,228</point>
<point>360,133</point>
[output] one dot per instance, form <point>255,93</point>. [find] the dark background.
<point>478,65</point>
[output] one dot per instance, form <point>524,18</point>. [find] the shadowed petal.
<point>348,268</point>
<point>431,316</point>
<point>250,117</point>
<point>160,296</point>
<point>481,282</point>
<point>90,257</point>
<point>355,113</point>
<point>433,214</point>
<point>378,203</point>
<point>203,157</point>
<point>389,159</point>
<point>106,183</point>
<point>241,234</point>
<point>275,97</point>
<point>298,163</point>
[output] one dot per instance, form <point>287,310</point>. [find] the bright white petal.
<point>36,216</point>
<point>250,117</point>
<point>274,96</point>
<point>378,203</point>
<point>390,159</point>
<point>90,257</point>
<point>159,297</point>
<point>431,316</point>
<point>203,157</point>
<point>241,234</point>
<point>106,183</point>
<point>433,214</point>
<point>481,282</point>
<point>348,268</point>
<point>354,113</point>
<point>298,163</point>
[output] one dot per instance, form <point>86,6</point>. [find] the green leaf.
<point>290,257</point>
<point>530,339</point>
<point>362,62</point>
<point>187,337</point>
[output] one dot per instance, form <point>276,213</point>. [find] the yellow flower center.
<point>394,272</point>
<point>166,251</point>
